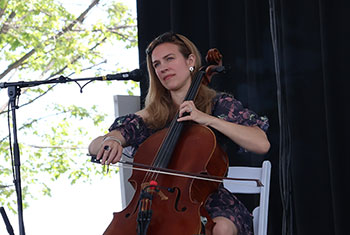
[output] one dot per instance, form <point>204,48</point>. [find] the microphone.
<point>135,75</point>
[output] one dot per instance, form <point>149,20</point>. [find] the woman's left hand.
<point>189,112</point>
<point>251,138</point>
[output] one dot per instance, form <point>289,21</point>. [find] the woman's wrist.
<point>112,138</point>
<point>211,120</point>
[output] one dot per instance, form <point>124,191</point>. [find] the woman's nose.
<point>163,68</point>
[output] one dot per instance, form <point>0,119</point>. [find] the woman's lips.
<point>168,77</point>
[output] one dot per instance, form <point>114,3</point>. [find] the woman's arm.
<point>251,138</point>
<point>109,148</point>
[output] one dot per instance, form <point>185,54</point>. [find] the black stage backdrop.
<point>287,60</point>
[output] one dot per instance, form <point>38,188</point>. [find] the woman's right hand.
<point>108,148</point>
<point>110,152</point>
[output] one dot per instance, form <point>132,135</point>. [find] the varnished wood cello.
<point>168,204</point>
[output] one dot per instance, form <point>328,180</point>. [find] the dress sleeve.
<point>132,128</point>
<point>228,108</point>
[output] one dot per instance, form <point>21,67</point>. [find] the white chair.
<point>260,213</point>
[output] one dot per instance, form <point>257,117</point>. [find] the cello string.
<point>163,154</point>
<point>172,136</point>
<point>176,127</point>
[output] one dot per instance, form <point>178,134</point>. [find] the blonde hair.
<point>158,101</point>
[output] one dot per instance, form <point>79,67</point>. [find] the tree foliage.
<point>42,38</point>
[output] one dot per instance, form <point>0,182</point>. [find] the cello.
<point>168,204</point>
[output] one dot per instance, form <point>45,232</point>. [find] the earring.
<point>191,69</point>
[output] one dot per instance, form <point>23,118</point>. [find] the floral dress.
<point>220,203</point>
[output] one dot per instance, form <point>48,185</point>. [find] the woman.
<point>172,61</point>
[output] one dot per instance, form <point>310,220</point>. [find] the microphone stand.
<point>6,220</point>
<point>14,91</point>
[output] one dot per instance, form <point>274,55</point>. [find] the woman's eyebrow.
<point>163,57</point>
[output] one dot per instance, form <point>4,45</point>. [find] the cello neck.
<point>169,143</point>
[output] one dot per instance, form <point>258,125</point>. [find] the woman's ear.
<point>191,60</point>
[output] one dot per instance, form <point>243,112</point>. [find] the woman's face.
<point>171,67</point>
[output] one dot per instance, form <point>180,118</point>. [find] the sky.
<point>84,208</point>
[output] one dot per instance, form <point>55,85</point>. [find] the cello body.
<point>176,207</point>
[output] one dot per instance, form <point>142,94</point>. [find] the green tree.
<point>42,38</point>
